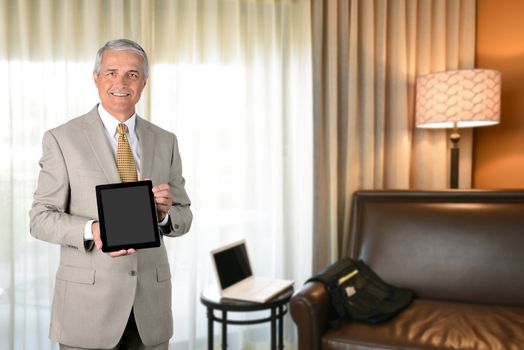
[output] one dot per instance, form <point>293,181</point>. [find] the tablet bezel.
<point>106,248</point>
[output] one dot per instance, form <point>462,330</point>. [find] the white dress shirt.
<point>111,124</point>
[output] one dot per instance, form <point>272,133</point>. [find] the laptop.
<point>235,277</point>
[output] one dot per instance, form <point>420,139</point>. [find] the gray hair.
<point>122,45</point>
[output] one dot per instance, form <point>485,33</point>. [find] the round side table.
<point>277,308</point>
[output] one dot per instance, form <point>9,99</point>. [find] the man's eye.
<point>112,74</point>
<point>133,75</point>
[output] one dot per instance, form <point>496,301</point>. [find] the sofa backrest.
<point>465,246</point>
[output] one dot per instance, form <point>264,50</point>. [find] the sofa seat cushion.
<point>428,324</point>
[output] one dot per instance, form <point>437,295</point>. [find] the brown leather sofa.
<point>462,252</point>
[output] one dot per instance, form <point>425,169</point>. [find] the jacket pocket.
<point>76,274</point>
<point>163,273</point>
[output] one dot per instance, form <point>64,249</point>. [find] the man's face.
<point>120,82</point>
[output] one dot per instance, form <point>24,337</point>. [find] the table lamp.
<point>458,99</point>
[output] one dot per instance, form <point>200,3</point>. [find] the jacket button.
<point>132,273</point>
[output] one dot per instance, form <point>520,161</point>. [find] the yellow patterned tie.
<point>124,156</point>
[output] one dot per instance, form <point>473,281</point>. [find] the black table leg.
<point>273,328</point>
<point>210,328</point>
<point>281,327</point>
<point>224,330</point>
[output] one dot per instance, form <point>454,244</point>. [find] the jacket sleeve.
<point>49,217</point>
<point>180,215</point>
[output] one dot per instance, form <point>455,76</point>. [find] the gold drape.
<point>366,57</point>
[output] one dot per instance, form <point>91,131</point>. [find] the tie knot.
<point>122,129</point>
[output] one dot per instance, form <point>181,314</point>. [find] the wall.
<point>498,151</point>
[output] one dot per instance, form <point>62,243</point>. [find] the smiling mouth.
<point>120,94</point>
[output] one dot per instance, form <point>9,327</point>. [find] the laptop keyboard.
<point>257,289</point>
<point>253,285</point>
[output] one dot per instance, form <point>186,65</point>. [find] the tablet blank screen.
<point>127,213</point>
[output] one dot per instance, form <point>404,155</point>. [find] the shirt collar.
<point>111,123</point>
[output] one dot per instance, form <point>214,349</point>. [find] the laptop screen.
<point>232,265</point>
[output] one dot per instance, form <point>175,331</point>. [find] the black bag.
<point>357,293</point>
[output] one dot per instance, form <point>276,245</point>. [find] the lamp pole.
<point>454,157</point>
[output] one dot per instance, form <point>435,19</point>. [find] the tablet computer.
<point>127,216</point>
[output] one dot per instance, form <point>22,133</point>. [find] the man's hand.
<point>95,229</point>
<point>163,200</point>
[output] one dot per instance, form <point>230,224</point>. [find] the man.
<point>120,300</point>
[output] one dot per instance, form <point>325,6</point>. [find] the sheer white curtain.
<point>231,78</point>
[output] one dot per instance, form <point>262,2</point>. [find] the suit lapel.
<point>146,140</point>
<point>97,139</point>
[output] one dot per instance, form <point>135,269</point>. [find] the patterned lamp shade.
<point>467,97</point>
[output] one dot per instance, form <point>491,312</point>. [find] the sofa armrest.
<point>309,308</point>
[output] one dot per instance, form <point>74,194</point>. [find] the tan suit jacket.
<point>94,293</point>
